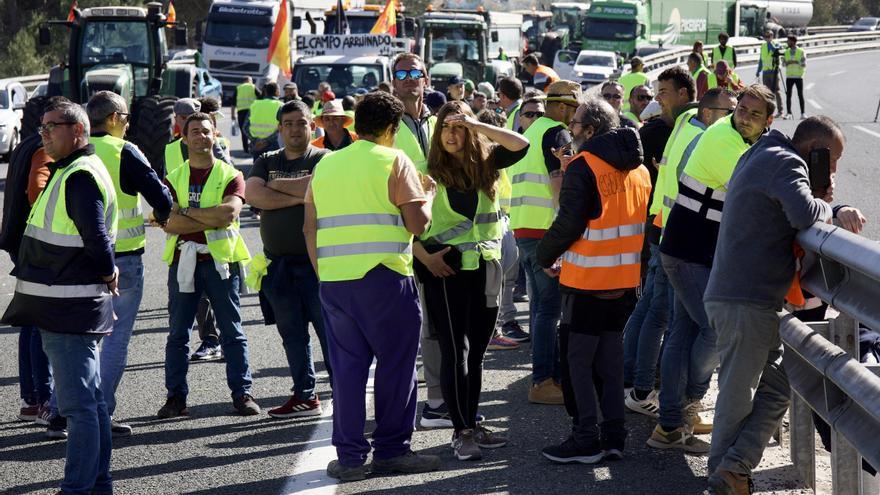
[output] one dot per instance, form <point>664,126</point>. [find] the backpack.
<point>16,207</point>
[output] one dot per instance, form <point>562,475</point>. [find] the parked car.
<point>866,24</point>
<point>203,83</point>
<point>13,98</point>
<point>40,90</point>
<point>589,67</point>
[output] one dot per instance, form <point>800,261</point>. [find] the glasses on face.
<point>50,126</point>
<point>124,116</point>
<point>728,111</point>
<point>403,75</point>
<point>612,96</point>
<point>643,97</point>
<point>532,115</point>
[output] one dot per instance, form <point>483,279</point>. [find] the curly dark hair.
<point>376,112</point>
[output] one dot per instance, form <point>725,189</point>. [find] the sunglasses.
<point>403,75</point>
<point>612,96</point>
<point>50,126</point>
<point>532,115</point>
<point>642,97</point>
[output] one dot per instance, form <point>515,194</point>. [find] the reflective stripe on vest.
<point>702,190</point>
<point>48,221</point>
<point>476,238</point>
<point>61,291</point>
<point>263,118</point>
<point>679,152</point>
<point>657,196</point>
<point>131,232</point>
<point>245,96</point>
<point>608,254</point>
<point>407,142</point>
<point>358,226</point>
<point>531,203</point>
<point>224,244</point>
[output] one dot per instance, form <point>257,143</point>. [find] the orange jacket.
<point>547,76</point>
<point>608,255</point>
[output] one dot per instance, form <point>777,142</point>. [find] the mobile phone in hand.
<point>820,169</point>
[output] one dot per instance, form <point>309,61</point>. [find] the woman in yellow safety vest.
<point>459,259</point>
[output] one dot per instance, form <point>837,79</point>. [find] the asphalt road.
<point>216,452</point>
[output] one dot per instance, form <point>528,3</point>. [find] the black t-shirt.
<point>281,230</point>
<point>554,138</point>
<point>465,202</point>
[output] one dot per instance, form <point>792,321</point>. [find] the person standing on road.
<point>542,75</point>
<point>66,279</point>
<point>700,74</point>
<point>743,300</point>
<point>334,121</point>
<point>635,77</point>
<point>510,97</point>
<point>204,251</point>
<point>262,128</point>
<point>277,185</point>
<point>132,178</point>
<point>536,181</point>
<point>363,207</point>
<point>245,96</point>
<point>689,246</point>
<point>650,319</point>
<point>724,52</point>
<point>768,68</point>
<point>795,61</point>
<point>607,186</point>
<point>462,252</point>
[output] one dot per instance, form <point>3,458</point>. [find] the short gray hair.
<point>71,113</point>
<point>104,104</point>
<point>599,115</point>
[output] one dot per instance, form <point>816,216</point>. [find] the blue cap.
<point>455,80</point>
<point>361,91</point>
<point>435,100</point>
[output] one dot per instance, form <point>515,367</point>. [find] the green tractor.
<point>122,49</point>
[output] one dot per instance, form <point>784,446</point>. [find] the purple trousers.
<point>378,317</point>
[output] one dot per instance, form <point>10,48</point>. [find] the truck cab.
<point>465,44</point>
<point>568,19</point>
<point>616,25</point>
<point>361,21</point>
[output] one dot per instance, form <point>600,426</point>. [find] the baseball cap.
<point>455,80</point>
<point>290,85</point>
<point>435,100</point>
<point>186,107</point>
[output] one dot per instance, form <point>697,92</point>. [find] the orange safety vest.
<point>609,254</point>
<point>549,73</point>
<point>320,141</point>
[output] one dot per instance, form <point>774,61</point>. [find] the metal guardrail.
<point>821,359</point>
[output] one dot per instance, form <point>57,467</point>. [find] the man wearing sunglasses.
<point>132,178</point>
<point>639,98</point>
<point>536,181</point>
<point>530,111</point>
<point>635,77</point>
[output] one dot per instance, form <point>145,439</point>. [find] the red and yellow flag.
<point>387,21</point>
<point>172,14</point>
<point>71,14</point>
<point>279,45</point>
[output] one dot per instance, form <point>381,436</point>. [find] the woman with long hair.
<point>459,259</point>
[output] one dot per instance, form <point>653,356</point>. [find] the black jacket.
<point>579,200</point>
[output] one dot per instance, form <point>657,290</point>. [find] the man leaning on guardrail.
<point>769,200</point>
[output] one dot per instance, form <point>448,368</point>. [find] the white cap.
<point>650,111</point>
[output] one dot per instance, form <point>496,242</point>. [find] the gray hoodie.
<point>768,202</point>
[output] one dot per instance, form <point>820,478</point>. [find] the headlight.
<point>578,73</point>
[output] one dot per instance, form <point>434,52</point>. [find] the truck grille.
<point>232,65</point>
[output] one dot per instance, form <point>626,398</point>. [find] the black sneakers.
<point>570,451</point>
<point>174,406</point>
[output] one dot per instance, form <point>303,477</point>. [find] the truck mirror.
<point>641,30</point>
<point>45,36</point>
<point>494,36</point>
<point>180,36</point>
<point>199,29</point>
<point>297,22</point>
<point>409,26</point>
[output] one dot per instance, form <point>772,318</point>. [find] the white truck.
<point>235,42</point>
<point>347,62</point>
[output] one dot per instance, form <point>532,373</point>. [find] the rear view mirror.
<point>297,22</point>
<point>180,36</point>
<point>45,36</point>
<point>494,36</point>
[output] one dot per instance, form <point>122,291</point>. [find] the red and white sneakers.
<point>296,407</point>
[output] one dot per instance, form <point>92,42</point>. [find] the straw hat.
<point>333,109</point>
<point>564,91</point>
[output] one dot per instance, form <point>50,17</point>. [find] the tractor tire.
<point>153,127</point>
<point>33,114</point>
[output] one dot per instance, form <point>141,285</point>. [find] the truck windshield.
<point>454,44</point>
<point>563,17</point>
<point>226,33</point>
<point>609,29</point>
<point>344,79</point>
<point>356,24</point>
<point>112,42</point>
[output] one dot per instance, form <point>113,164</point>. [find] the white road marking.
<point>309,477</point>
<point>867,131</point>
<point>814,103</point>
<point>810,86</point>
<point>836,73</point>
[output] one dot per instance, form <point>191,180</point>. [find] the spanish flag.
<point>387,21</point>
<point>279,45</point>
<point>172,14</point>
<point>71,14</point>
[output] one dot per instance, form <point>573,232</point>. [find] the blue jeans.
<point>77,367</point>
<point>291,287</point>
<point>644,329</point>
<point>545,309</point>
<point>689,357</point>
<point>182,307</point>
<point>34,375</point>
<point>114,347</point>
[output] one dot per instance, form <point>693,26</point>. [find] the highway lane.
<point>216,452</point>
